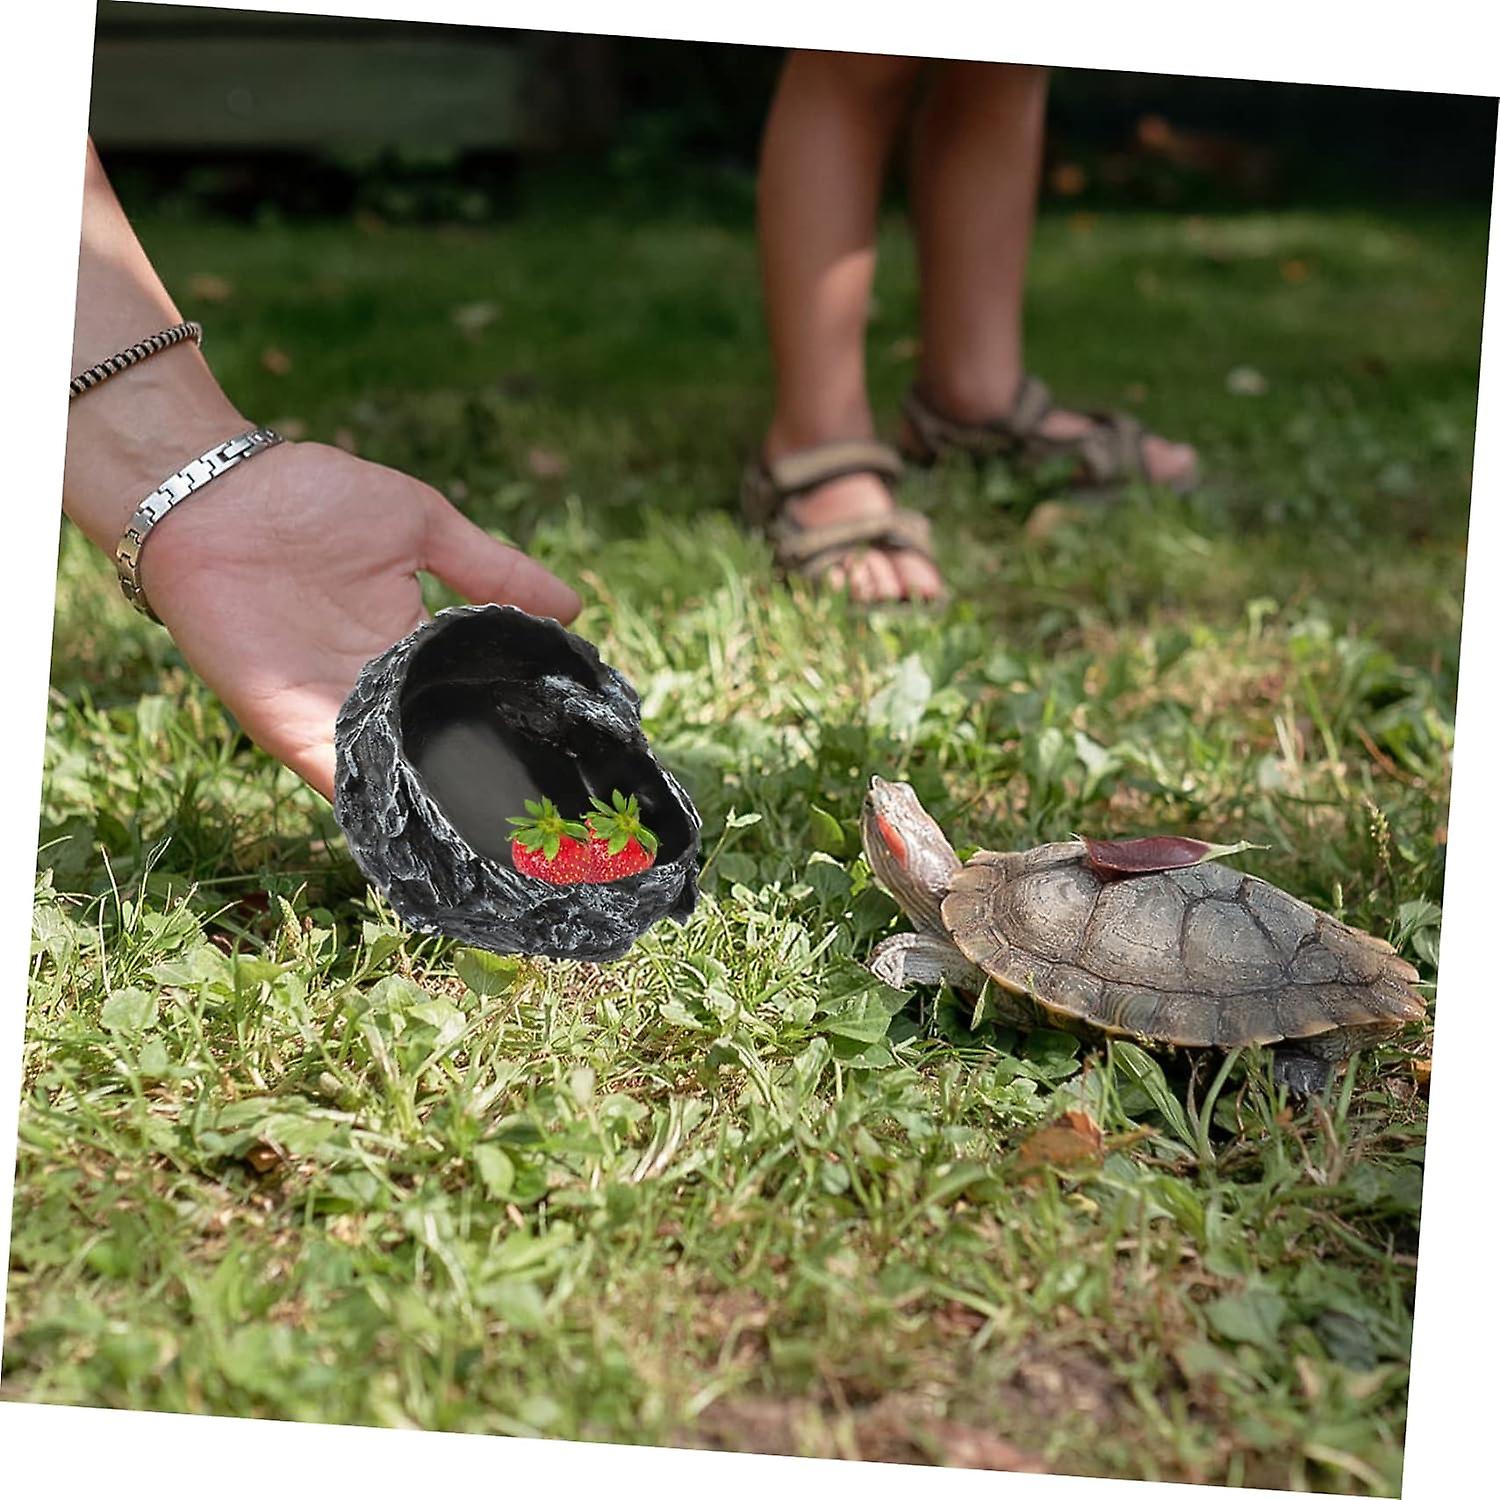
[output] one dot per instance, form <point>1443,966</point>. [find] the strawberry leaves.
<point>608,844</point>
<point>544,828</point>
<point>617,822</point>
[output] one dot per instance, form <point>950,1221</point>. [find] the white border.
<point>1446,47</point>
<point>1449,46</point>
<point>1452,1403</point>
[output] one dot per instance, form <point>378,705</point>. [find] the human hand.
<point>293,570</point>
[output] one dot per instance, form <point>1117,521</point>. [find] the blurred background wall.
<point>310,113</point>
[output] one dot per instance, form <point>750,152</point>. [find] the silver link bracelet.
<point>171,492</point>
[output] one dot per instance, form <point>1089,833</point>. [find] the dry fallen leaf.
<point>1153,132</point>
<point>958,1319</point>
<point>1111,857</point>
<point>957,1445</point>
<point>546,463</point>
<point>1243,381</point>
<point>1295,271</point>
<point>1047,517</point>
<point>263,1157</point>
<point>474,317</point>
<point>1071,1140</point>
<point>275,361</point>
<point>204,286</point>
<point>1068,179</point>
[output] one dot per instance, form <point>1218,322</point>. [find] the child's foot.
<point>869,574</point>
<point>1110,447</point>
<point>828,508</point>
<point>1166,463</point>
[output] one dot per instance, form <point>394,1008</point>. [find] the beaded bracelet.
<point>154,344</point>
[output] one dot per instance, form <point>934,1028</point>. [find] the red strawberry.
<point>620,844</point>
<point>550,847</point>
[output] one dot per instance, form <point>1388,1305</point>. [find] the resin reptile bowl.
<point>446,736</point>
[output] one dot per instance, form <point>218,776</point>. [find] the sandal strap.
<point>1005,434</point>
<point>814,466</point>
<point>1033,401</point>
<point>809,549</point>
<point>1112,449</point>
<point>801,548</point>
<point>767,486</point>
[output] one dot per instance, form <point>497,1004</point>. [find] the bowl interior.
<point>474,737</point>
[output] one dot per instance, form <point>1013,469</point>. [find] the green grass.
<point>279,1158</point>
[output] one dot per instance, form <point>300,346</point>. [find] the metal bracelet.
<point>172,491</point>
<point>154,344</point>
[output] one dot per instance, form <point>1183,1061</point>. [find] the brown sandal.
<point>810,550</point>
<point>1109,455</point>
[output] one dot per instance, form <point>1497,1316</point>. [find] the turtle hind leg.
<point>1305,1064</point>
<point>1303,1074</point>
<point>922,958</point>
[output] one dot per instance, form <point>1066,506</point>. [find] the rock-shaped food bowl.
<point>446,736</point>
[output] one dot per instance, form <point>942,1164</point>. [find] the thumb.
<point>486,570</point>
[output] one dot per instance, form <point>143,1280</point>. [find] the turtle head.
<point>906,851</point>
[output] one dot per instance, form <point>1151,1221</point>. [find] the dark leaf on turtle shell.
<point>1114,858</point>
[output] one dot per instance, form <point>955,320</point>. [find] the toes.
<point>919,579</point>
<point>1064,425</point>
<point>878,576</point>
<point>1169,463</point>
<point>871,574</point>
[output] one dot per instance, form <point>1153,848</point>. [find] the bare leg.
<point>975,162</point>
<point>827,143</point>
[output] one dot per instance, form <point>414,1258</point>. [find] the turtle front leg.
<point>921,958</point>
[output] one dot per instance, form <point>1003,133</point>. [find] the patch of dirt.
<point>1064,1385</point>
<point>735,1320</point>
<point>895,1429</point>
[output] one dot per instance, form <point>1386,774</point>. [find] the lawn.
<point>280,1158</point>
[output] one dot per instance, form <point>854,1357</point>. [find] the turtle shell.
<point>1199,957</point>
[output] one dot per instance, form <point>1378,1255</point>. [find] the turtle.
<point>1200,955</point>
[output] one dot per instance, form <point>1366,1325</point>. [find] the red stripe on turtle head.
<point>893,840</point>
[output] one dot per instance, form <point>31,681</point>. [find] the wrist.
<point>128,434</point>
<point>234,521</point>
